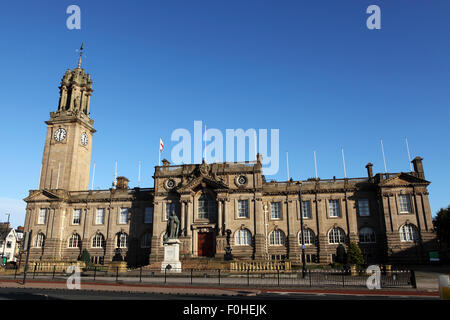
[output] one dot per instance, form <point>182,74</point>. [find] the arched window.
<point>74,241</point>
<point>366,235</point>
<point>98,241</point>
<point>243,237</point>
<point>277,238</point>
<point>40,240</point>
<point>409,233</point>
<point>146,240</point>
<point>336,235</point>
<point>122,240</point>
<point>205,206</point>
<point>309,237</point>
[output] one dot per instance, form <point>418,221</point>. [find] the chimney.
<point>122,183</point>
<point>369,171</point>
<point>418,167</point>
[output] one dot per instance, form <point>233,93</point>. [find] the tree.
<point>354,254</point>
<point>85,257</point>
<point>442,225</point>
<point>340,254</point>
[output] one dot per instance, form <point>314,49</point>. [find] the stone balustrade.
<point>256,266</point>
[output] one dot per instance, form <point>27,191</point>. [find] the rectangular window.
<point>275,210</point>
<point>363,207</point>
<point>42,216</point>
<point>148,215</point>
<point>100,216</point>
<point>8,244</point>
<point>242,208</point>
<point>306,209</point>
<point>170,207</point>
<point>76,216</point>
<point>334,208</point>
<point>123,215</point>
<point>404,203</point>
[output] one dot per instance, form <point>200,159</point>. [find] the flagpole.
<point>159,152</point>
<point>287,165</point>
<point>204,152</point>
<point>343,162</point>
<point>315,162</point>
<point>115,174</point>
<point>139,174</point>
<point>384,158</point>
<point>409,155</point>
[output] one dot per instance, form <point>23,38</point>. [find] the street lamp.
<point>302,232</point>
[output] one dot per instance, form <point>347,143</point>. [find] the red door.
<point>205,244</point>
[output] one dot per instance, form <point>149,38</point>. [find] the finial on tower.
<point>81,53</point>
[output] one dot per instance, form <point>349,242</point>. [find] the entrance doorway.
<point>205,244</point>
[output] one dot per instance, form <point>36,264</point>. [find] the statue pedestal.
<point>117,267</point>
<point>171,261</point>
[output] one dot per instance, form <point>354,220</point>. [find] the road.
<point>59,294</point>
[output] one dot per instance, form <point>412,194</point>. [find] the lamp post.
<point>302,231</point>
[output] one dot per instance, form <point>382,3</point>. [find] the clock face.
<point>84,138</point>
<point>60,134</point>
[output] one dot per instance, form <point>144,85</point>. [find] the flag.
<point>161,145</point>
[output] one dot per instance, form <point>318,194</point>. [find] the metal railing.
<point>218,277</point>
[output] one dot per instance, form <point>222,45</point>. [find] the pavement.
<point>213,291</point>
<point>427,287</point>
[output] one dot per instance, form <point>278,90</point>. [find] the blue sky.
<point>311,69</point>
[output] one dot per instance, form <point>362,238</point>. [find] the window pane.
<point>277,238</point>
<point>42,216</point>
<point>124,215</point>
<point>148,216</point>
<point>243,208</point>
<point>146,240</point>
<point>306,209</point>
<point>404,203</point>
<point>76,216</point>
<point>363,207</point>
<point>334,208</point>
<point>170,207</point>
<point>275,210</point>
<point>205,207</point>
<point>308,237</point>
<point>100,216</point>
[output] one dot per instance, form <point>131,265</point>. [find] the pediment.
<point>203,181</point>
<point>403,179</point>
<point>42,195</point>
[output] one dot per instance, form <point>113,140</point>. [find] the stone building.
<point>387,214</point>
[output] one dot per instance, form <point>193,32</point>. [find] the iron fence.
<point>218,277</point>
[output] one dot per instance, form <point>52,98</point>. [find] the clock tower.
<point>68,144</point>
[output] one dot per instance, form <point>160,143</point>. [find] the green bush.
<point>85,257</point>
<point>354,254</point>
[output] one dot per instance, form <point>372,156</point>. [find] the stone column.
<point>182,222</point>
<point>219,217</point>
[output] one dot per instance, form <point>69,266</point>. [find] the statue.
<point>173,227</point>
<point>118,255</point>
<point>228,255</point>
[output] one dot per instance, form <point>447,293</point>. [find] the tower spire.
<point>81,53</point>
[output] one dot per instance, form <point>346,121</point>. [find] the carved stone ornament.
<point>169,184</point>
<point>204,168</point>
<point>241,180</point>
